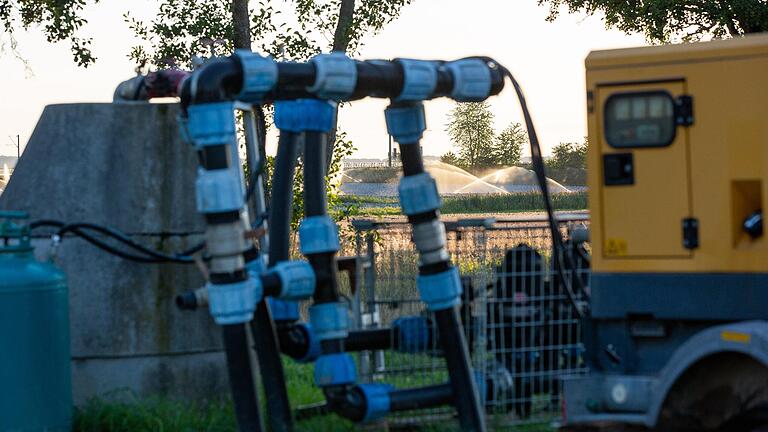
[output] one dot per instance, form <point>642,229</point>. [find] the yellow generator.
<point>676,337</point>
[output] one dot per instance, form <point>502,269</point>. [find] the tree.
<point>184,29</point>
<point>568,155</point>
<point>670,20</point>
<point>509,145</point>
<point>60,21</point>
<point>450,158</point>
<point>471,130</point>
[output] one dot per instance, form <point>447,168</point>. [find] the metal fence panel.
<point>521,327</point>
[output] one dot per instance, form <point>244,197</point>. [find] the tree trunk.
<point>340,43</point>
<point>242,24</point>
<point>341,35</point>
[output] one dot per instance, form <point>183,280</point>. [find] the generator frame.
<point>676,336</point>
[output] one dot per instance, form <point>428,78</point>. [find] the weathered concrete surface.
<point>123,166</point>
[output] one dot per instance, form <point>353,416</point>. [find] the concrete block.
<point>124,166</point>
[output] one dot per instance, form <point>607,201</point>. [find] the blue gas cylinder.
<point>35,381</point>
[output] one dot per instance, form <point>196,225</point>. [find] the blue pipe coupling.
<point>313,344</point>
<point>283,310</point>
<point>413,334</point>
<point>234,303</point>
<point>330,320</point>
<point>318,234</point>
<point>406,123</point>
<point>441,290</point>
<point>418,194</point>
<point>211,124</point>
<point>297,279</point>
<point>303,115</point>
<point>377,400</point>
<point>335,370</point>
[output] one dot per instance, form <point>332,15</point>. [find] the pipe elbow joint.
<point>220,79</point>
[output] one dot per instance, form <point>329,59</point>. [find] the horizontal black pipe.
<point>420,398</point>
<point>222,79</point>
<point>374,339</point>
<point>352,404</point>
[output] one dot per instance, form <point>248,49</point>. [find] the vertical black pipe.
<point>271,367</point>
<point>324,264</point>
<point>457,360</point>
<point>281,197</point>
<point>241,377</point>
<point>449,327</point>
<point>264,336</point>
<point>314,174</point>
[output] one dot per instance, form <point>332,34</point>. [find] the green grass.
<point>462,204</point>
<point>123,412</point>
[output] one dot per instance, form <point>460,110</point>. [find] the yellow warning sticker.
<point>732,336</point>
<point>615,247</point>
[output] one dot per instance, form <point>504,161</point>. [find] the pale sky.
<point>547,59</point>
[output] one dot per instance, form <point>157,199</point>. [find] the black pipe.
<point>420,398</point>
<point>235,336</point>
<point>222,79</point>
<point>410,156</point>
<point>458,363</point>
<point>281,198</point>
<point>324,264</point>
<point>452,339</point>
<point>314,174</point>
<point>374,339</point>
<point>241,377</point>
<point>351,403</point>
<point>266,340</point>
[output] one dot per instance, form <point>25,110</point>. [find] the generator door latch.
<point>618,169</point>
<point>690,233</point>
<point>684,110</point>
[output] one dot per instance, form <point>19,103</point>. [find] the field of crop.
<point>472,204</point>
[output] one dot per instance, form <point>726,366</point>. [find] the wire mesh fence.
<point>521,326</point>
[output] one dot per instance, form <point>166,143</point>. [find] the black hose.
<point>541,177</point>
<point>241,377</point>
<point>264,336</point>
<point>153,257</point>
<point>125,240</point>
